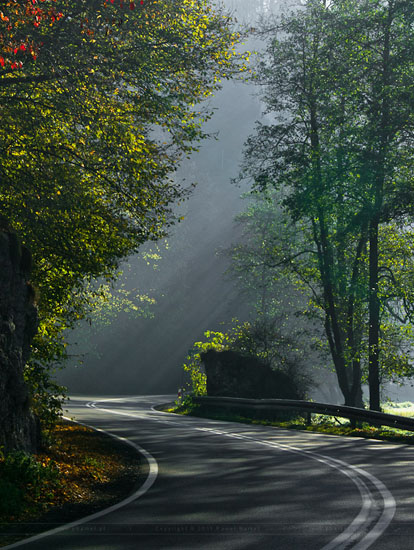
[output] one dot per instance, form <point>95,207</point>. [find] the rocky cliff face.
<point>232,374</point>
<point>18,324</point>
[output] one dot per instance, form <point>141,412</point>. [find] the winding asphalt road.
<point>212,485</point>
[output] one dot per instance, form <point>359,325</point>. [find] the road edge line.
<point>338,542</point>
<point>152,476</point>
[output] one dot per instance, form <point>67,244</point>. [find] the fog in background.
<point>144,355</point>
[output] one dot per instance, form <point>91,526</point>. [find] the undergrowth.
<point>319,423</point>
<point>80,469</point>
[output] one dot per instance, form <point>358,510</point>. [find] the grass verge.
<point>319,423</point>
<point>80,472</point>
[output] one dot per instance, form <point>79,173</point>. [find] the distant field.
<point>402,409</point>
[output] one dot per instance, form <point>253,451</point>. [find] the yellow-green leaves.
<point>90,134</point>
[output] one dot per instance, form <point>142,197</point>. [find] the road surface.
<point>213,485</point>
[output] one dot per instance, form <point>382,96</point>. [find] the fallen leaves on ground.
<point>90,471</point>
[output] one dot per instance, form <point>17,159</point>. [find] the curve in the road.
<point>358,533</point>
<point>151,477</point>
<point>366,527</point>
<point>377,509</point>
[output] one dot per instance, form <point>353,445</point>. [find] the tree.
<point>378,49</point>
<point>19,37</point>
<point>285,296</point>
<point>252,258</point>
<point>95,119</point>
<point>282,304</point>
<point>386,68</point>
<point>341,156</point>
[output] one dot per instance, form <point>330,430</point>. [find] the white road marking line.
<point>132,415</point>
<point>361,522</point>
<point>152,476</point>
<point>386,516</point>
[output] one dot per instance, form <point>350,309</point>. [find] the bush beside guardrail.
<point>352,413</point>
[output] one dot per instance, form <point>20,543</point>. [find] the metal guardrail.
<point>353,413</point>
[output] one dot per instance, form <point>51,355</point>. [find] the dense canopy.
<point>99,102</point>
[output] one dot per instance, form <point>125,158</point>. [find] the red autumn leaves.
<point>18,13</point>
<point>15,16</point>
<point>131,4</point>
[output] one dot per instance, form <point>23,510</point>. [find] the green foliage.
<point>264,339</point>
<point>402,405</point>
<point>395,342</point>
<point>46,395</point>
<point>112,300</point>
<point>336,78</point>
<point>93,126</point>
<point>21,474</point>
<point>273,265</point>
<point>11,498</point>
<point>218,341</point>
<point>267,236</point>
<point>22,468</point>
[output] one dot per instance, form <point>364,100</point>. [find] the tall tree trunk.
<point>374,319</point>
<point>338,361</point>
<point>356,389</point>
<point>19,429</point>
<point>385,135</point>
<point>346,379</point>
<point>353,334</point>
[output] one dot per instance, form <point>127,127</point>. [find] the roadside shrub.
<point>403,405</point>
<point>218,341</point>
<point>263,339</point>
<point>47,396</point>
<point>11,498</point>
<point>22,475</point>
